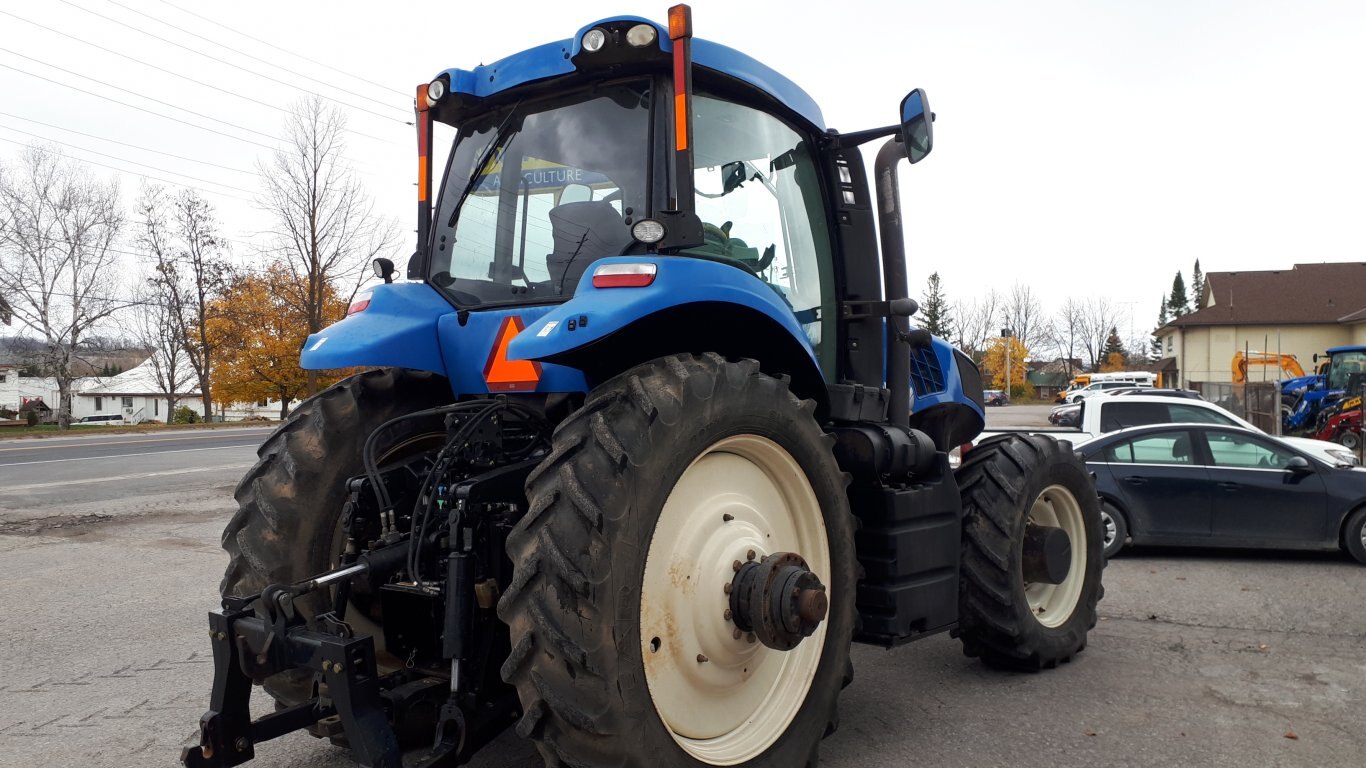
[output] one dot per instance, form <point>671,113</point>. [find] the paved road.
<point>97,476</point>
<point>1203,659</point>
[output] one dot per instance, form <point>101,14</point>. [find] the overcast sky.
<point>1085,148</point>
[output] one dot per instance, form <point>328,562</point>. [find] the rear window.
<point>1115,414</point>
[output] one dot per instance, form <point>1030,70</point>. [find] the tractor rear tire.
<point>286,528</point>
<point>624,652</point>
<point>1006,482</point>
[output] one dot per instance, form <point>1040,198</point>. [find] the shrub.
<point>186,415</point>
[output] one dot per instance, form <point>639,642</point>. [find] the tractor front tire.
<point>286,528</point>
<point>1008,482</point>
<point>624,652</point>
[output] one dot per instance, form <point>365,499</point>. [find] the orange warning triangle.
<point>504,375</point>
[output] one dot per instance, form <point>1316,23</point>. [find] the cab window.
<point>759,198</point>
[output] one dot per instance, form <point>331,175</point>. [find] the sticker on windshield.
<point>550,326</point>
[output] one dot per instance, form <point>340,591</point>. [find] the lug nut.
<point>735,566</point>
<point>702,659</point>
<point>726,518</point>
<point>726,587</point>
<point>727,615</point>
<point>749,555</point>
<point>736,634</point>
<point>751,637</point>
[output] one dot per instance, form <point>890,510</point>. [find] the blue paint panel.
<point>680,280</point>
<point>467,347</point>
<point>553,59</point>
<point>397,329</point>
<point>940,357</point>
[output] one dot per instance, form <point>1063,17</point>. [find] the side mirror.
<point>384,269</point>
<point>1299,465</point>
<point>917,125</point>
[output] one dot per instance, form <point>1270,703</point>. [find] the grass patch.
<point>50,430</point>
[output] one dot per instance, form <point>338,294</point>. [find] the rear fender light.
<point>624,275</point>
<point>359,304</point>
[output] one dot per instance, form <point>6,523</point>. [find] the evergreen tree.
<point>934,309</point>
<point>1197,286</point>
<point>1113,344</point>
<point>1162,319</point>
<point>1177,303</point>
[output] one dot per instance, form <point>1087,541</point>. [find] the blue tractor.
<point>1316,395</point>
<point>645,444</point>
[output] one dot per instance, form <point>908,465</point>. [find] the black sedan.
<point>1214,486</point>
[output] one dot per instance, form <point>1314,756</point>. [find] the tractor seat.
<point>583,232</point>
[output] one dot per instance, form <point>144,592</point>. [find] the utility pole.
<point>1006,334</point>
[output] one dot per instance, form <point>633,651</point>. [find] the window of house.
<point>262,403</point>
<point>1170,343</point>
<point>99,404</point>
<point>2,378</point>
<point>156,407</point>
<point>127,402</point>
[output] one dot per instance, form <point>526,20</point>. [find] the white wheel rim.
<point>1052,604</point>
<point>733,706</point>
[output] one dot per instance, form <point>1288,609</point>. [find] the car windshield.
<point>534,193</point>
<point>1345,364</point>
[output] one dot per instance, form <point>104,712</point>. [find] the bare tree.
<point>56,268</point>
<point>1097,318</point>
<point>1066,330</point>
<point>155,325</point>
<point>325,223</point>
<point>978,321</point>
<point>179,236</point>
<point>1024,315</point>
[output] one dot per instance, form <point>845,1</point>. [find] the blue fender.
<point>398,329</point>
<point>595,313</point>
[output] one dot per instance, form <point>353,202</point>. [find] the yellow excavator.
<point>1286,363</point>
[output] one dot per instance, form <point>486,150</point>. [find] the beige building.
<point>1299,311</point>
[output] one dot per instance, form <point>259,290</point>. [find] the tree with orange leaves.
<point>260,335</point>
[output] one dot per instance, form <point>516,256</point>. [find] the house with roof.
<point>1299,311</point>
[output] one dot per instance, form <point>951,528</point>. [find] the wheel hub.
<point>1047,554</point>
<point>778,599</point>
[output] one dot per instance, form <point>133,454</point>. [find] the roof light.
<point>594,39</point>
<point>435,90</point>
<point>648,231</point>
<point>641,35</point>
<point>624,275</point>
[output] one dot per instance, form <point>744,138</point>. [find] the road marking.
<point>99,443</point>
<point>123,455</point>
<point>114,478</point>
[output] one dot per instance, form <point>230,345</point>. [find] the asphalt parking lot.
<point>1200,658</point>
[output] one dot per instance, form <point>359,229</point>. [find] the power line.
<point>324,83</point>
<point>149,176</point>
<point>173,73</point>
<point>222,61</point>
<point>126,144</point>
<point>126,160</point>
<point>284,50</point>
<point>134,106</point>
<point>140,95</point>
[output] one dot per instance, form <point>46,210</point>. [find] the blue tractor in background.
<point>648,441</point>
<point>1315,396</point>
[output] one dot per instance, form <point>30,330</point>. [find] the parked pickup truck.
<point>1101,414</point>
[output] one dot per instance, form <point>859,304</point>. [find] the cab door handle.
<point>1229,486</point>
<point>1136,480</point>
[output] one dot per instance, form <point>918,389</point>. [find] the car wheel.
<point>1116,530</point>
<point>1354,535</point>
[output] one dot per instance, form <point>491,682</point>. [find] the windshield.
<point>555,184</point>
<point>1345,364</point>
